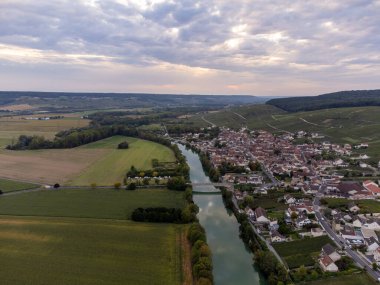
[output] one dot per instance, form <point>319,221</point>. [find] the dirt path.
<point>207,121</point>
<point>307,122</point>
<point>186,259</point>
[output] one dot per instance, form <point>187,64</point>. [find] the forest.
<point>355,98</point>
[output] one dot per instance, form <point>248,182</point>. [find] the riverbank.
<point>232,260</point>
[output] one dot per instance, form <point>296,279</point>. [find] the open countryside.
<point>113,166</point>
<point>96,252</point>
<point>100,162</point>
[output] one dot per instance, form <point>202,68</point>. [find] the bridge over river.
<point>227,185</point>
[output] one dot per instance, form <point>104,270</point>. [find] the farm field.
<point>88,203</point>
<point>354,279</point>
<point>9,185</point>
<point>301,252</point>
<point>113,166</point>
<point>11,127</point>
<point>99,162</point>
<point>65,251</point>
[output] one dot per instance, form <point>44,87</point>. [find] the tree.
<point>123,145</point>
<point>117,185</point>
<point>294,215</point>
<point>131,186</point>
<point>177,183</point>
<point>375,266</point>
<point>93,185</point>
<point>56,185</point>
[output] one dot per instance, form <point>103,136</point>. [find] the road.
<point>270,247</point>
<point>359,260</point>
<point>207,121</point>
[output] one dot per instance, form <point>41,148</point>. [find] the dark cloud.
<point>315,40</point>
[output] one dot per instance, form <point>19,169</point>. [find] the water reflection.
<point>233,264</point>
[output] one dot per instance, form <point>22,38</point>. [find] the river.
<point>232,262</point>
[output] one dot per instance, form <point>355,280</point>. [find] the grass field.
<point>99,162</point>
<point>366,206</point>
<point>11,127</point>
<point>65,251</point>
<point>9,185</point>
<point>355,279</point>
<point>88,203</point>
<point>113,166</point>
<point>301,252</point>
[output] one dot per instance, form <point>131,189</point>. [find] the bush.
<point>123,145</point>
<point>56,185</point>
<point>131,186</point>
<point>117,185</point>
<point>157,215</point>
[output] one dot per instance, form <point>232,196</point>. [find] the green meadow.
<point>88,203</point>
<point>63,251</point>
<point>113,166</point>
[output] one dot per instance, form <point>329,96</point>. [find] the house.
<point>273,225</point>
<point>329,250</point>
<point>353,208</point>
<point>316,232</point>
<point>372,224</point>
<point>276,236</point>
<point>302,221</point>
<point>289,199</point>
<point>369,233</point>
<point>327,264</point>
<point>250,213</point>
<point>261,215</point>
<point>372,245</point>
<point>376,254</point>
<point>372,187</point>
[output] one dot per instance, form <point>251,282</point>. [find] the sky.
<point>253,47</point>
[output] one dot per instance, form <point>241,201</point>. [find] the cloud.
<point>291,45</point>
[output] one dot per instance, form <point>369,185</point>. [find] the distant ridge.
<point>134,99</point>
<point>354,98</point>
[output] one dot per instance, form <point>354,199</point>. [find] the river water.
<point>233,263</point>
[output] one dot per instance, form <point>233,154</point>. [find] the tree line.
<point>72,138</point>
<point>201,260</point>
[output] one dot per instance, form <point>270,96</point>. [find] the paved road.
<point>270,247</point>
<point>359,260</point>
<point>22,191</point>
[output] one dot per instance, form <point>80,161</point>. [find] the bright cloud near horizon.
<point>255,47</point>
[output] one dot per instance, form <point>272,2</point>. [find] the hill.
<point>355,98</point>
<point>352,125</point>
<point>66,101</point>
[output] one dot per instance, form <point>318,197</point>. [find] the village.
<point>295,193</point>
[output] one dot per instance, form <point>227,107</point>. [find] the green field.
<point>11,127</point>
<point>366,206</point>
<point>301,252</point>
<point>113,166</point>
<point>88,203</point>
<point>10,185</point>
<point>63,251</point>
<point>355,279</point>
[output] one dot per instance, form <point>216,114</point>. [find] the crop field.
<point>88,203</point>
<point>354,279</point>
<point>99,162</point>
<point>113,166</point>
<point>65,251</point>
<point>47,166</point>
<point>9,185</point>
<point>301,252</point>
<point>11,127</point>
